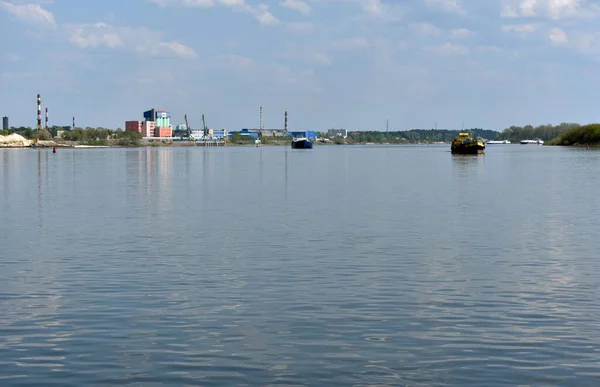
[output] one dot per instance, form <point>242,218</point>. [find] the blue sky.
<point>329,63</point>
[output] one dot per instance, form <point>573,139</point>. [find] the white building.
<point>338,133</point>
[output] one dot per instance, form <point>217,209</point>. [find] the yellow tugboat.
<point>464,144</point>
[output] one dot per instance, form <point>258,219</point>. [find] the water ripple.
<point>346,266</point>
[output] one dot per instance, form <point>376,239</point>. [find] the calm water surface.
<point>340,266</point>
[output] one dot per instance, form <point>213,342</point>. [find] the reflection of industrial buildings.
<point>157,123</point>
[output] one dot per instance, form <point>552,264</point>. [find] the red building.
<point>162,131</point>
<point>145,128</point>
<point>156,124</point>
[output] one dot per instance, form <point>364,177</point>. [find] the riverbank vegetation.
<point>581,135</point>
<point>81,136</point>
<point>415,136</point>
<point>562,134</point>
<point>528,132</point>
<point>102,136</point>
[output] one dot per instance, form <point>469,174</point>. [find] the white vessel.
<point>532,142</point>
<point>498,142</point>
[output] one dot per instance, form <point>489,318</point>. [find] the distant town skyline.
<point>349,64</point>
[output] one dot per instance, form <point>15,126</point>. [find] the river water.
<point>337,266</point>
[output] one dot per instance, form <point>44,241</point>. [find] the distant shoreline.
<point>167,144</point>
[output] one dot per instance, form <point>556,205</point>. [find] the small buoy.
<point>54,150</point>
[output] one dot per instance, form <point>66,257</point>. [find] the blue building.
<point>306,133</point>
<point>220,134</point>
<point>244,132</point>
<point>161,117</point>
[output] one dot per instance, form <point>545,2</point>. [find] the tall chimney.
<point>286,123</point>
<point>73,123</point>
<point>261,119</point>
<point>39,112</point>
<point>46,117</point>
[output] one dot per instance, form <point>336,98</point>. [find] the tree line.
<point>580,135</point>
<point>417,135</point>
<point>528,132</point>
<point>561,134</point>
<point>87,136</point>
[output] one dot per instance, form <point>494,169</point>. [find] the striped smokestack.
<point>39,112</point>
<point>46,117</point>
<point>73,123</point>
<point>286,123</point>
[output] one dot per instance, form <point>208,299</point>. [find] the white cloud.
<point>32,13</point>
<point>521,28</point>
<point>459,33</point>
<point>179,49</point>
<point>427,29</point>
<point>260,13</point>
<point>378,10</point>
<point>509,12</point>
<point>557,36</point>
<point>186,3</point>
<point>142,40</point>
<point>448,49</point>
<point>374,7</point>
<point>528,7</point>
<point>237,62</point>
<point>552,9</point>
<point>454,6</point>
<point>94,35</point>
<point>296,5</point>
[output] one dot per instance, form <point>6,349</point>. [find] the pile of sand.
<point>14,140</point>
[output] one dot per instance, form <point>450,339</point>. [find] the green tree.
<point>580,135</point>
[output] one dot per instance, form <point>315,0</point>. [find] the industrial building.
<point>245,132</point>
<point>156,123</point>
<point>271,133</point>
<point>220,134</point>
<point>145,128</point>
<point>198,134</point>
<point>338,133</point>
<point>5,123</point>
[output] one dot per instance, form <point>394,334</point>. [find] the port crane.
<point>187,127</point>
<point>189,130</point>
<point>205,129</point>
